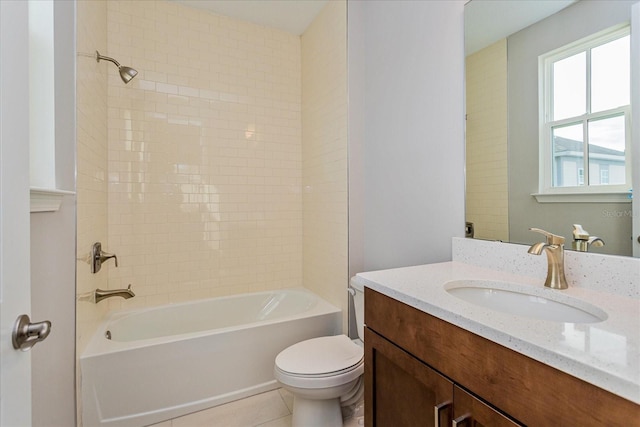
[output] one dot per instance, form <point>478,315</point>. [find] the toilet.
<point>324,374</point>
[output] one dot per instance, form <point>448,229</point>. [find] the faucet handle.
<point>552,239</point>
<point>98,256</point>
<point>580,233</point>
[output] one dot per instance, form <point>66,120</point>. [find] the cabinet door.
<point>471,412</point>
<point>400,390</point>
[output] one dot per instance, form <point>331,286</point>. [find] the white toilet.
<point>325,373</point>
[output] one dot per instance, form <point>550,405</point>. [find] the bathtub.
<point>165,362</point>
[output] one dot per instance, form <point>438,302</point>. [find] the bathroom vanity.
<point>419,368</point>
<point>433,359</point>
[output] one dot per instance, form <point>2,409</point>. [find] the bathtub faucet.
<point>124,293</point>
<point>98,256</point>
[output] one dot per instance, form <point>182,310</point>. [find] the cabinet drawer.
<point>529,391</point>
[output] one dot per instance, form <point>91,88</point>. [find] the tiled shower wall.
<point>91,178</point>
<point>487,201</point>
<point>203,185</point>
<point>91,168</point>
<point>324,155</point>
<point>205,154</point>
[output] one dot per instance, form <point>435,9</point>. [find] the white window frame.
<point>547,193</point>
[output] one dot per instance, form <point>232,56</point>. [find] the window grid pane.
<point>570,87</point>
<point>607,151</point>
<point>568,155</point>
<point>610,75</point>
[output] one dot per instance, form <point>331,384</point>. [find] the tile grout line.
<point>289,413</point>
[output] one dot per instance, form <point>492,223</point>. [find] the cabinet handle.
<point>437,409</point>
<point>461,420</point>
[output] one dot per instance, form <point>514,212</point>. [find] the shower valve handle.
<point>98,257</point>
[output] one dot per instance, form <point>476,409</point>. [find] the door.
<point>635,135</point>
<point>15,365</point>
<point>400,390</point>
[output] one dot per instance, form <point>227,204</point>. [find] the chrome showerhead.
<point>126,73</point>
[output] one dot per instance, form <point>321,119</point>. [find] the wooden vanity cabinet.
<point>415,362</point>
<point>402,391</point>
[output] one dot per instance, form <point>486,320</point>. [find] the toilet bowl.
<point>324,374</point>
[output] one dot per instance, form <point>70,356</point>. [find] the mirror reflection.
<point>548,122</point>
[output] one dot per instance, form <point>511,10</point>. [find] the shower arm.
<point>106,58</point>
<point>126,73</point>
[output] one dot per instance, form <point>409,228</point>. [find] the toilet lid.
<point>320,356</point>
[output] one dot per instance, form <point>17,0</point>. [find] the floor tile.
<point>287,397</point>
<point>251,411</point>
<point>280,422</point>
<point>357,418</point>
<point>354,422</point>
<point>271,409</point>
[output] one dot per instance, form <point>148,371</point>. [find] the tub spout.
<point>124,293</point>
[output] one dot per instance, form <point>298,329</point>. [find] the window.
<point>51,147</point>
<point>580,176</point>
<point>585,116</point>
<point>41,94</point>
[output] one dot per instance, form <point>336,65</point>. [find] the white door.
<point>15,365</point>
<point>635,142</point>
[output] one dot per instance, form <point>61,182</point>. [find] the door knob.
<point>26,334</point>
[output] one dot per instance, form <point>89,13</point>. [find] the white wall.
<point>635,141</point>
<point>406,132</point>
<point>53,298</point>
<point>53,251</point>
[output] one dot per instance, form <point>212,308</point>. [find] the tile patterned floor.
<point>270,409</point>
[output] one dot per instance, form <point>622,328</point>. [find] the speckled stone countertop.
<point>606,354</point>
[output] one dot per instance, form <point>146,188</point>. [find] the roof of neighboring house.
<point>565,144</point>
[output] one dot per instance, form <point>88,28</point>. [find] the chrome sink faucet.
<point>554,248</point>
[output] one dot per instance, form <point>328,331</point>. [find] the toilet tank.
<point>358,302</point>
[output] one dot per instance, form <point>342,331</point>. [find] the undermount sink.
<point>522,300</point>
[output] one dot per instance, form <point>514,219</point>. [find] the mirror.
<point>503,40</point>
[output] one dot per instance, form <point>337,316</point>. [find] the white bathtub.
<point>168,361</point>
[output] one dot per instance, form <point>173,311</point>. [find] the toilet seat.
<point>320,363</point>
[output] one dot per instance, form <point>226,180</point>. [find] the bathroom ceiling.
<point>293,16</point>
<point>480,25</point>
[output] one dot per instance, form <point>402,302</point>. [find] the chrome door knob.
<point>26,334</point>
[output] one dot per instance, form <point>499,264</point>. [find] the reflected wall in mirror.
<point>502,129</point>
